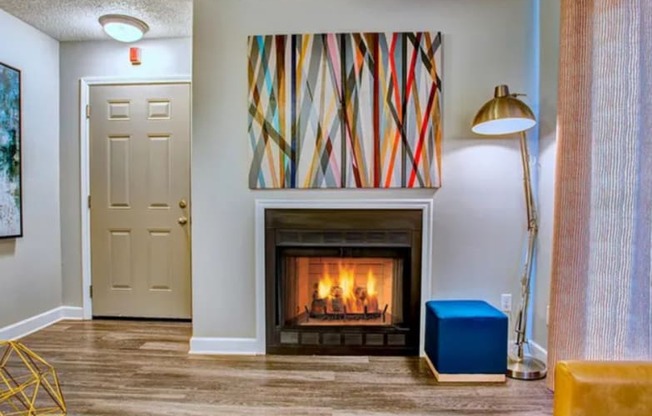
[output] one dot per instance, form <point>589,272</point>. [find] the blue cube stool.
<point>466,341</point>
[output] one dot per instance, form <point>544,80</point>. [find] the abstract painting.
<point>11,222</point>
<point>353,110</point>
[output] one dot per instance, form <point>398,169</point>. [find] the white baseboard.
<point>538,351</point>
<point>30,325</point>
<point>224,346</point>
<point>72,312</point>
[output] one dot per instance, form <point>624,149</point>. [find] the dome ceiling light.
<point>123,28</point>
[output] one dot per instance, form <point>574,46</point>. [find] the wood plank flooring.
<point>142,368</point>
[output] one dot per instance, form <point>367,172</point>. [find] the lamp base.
<point>526,368</point>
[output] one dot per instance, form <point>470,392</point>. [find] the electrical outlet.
<point>506,302</point>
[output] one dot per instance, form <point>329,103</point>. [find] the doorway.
<point>139,200</point>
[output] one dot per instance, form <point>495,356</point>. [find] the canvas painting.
<point>10,168</point>
<point>345,110</point>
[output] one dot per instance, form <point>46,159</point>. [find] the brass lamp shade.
<point>504,114</point>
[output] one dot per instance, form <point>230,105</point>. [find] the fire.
<point>343,294</point>
<point>324,286</point>
<point>371,284</point>
<point>346,281</point>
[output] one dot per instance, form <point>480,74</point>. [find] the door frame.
<point>85,187</point>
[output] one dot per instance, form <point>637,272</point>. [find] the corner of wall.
<point>31,265</point>
<point>548,62</point>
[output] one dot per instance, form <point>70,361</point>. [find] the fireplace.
<point>342,281</point>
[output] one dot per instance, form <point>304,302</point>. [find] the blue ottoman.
<point>466,341</point>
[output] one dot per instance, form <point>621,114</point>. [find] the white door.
<point>140,196</point>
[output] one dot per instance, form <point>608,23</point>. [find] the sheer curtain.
<point>600,291</point>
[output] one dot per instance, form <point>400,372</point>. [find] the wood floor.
<point>142,368</point>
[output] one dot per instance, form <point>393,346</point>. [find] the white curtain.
<point>600,289</point>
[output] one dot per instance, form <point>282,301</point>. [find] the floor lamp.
<point>504,115</point>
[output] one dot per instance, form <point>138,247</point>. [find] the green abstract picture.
<point>11,221</point>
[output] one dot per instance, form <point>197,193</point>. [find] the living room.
<point>473,217</point>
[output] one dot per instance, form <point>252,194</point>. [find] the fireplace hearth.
<point>342,281</point>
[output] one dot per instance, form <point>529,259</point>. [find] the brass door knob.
<point>183,220</point>
<point>183,203</point>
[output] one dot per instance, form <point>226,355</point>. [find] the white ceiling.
<point>72,20</point>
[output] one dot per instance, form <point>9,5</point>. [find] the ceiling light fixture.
<point>123,28</point>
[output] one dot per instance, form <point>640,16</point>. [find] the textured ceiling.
<point>69,20</point>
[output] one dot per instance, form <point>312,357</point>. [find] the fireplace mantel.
<point>257,345</point>
<point>424,205</point>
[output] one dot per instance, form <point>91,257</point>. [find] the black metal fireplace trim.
<point>350,229</point>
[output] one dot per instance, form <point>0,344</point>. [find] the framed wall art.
<point>11,218</point>
<point>345,110</point>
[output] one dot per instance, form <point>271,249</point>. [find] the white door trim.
<point>84,126</point>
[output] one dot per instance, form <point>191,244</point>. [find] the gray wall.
<point>30,267</point>
<point>160,58</point>
<point>479,211</point>
<point>549,68</point>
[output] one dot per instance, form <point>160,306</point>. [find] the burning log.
<point>318,307</point>
<point>345,297</point>
<point>360,294</point>
<point>338,305</point>
<point>372,304</point>
<point>337,301</point>
<point>365,315</point>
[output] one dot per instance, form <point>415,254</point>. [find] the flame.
<point>371,284</point>
<point>346,281</point>
<point>324,286</point>
<point>355,294</point>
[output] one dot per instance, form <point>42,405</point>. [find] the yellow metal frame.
<point>20,393</point>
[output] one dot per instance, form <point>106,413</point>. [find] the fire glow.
<point>342,295</point>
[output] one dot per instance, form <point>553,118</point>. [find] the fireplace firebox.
<point>342,281</point>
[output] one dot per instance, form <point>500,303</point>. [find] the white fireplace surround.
<point>252,346</point>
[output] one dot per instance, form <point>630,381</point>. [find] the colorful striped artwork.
<point>355,110</point>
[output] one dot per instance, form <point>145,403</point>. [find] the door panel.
<point>118,175</point>
<point>158,172</point>
<point>119,268</point>
<point>140,171</point>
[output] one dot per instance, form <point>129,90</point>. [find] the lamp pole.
<point>521,366</point>
<point>503,116</point>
